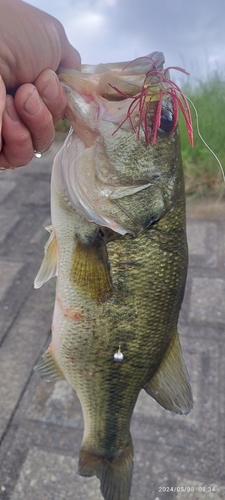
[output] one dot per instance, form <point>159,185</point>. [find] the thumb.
<point>71,58</point>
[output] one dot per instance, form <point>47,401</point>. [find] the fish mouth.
<point>141,85</point>
<point>127,75</point>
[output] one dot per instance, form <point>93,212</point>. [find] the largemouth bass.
<point>118,247</point>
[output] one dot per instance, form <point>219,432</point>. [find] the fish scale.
<point>120,283</point>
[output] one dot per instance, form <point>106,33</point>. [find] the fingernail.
<point>33,104</point>
<point>51,89</point>
<point>10,108</point>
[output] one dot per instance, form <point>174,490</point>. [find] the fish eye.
<point>167,122</point>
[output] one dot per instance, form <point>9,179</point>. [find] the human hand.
<point>32,48</point>
<point>29,117</point>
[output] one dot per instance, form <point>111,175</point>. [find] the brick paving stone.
<point>19,351</point>
<point>203,243</point>
<point>9,275</point>
<point>41,235</point>
<point>196,234</point>
<point>208,300</point>
<point>54,404</point>
<point>52,477</point>
<point>6,186</point>
<point>40,195</point>
<point>8,222</point>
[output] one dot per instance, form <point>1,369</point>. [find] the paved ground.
<point>41,424</point>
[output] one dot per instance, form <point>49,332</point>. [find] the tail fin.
<point>115,473</point>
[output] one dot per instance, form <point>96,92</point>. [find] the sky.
<point>190,33</point>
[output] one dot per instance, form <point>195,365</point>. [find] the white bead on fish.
<point>118,356</point>
<point>38,155</point>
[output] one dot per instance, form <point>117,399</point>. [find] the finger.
<point>2,106</point>
<point>36,116</point>
<point>52,94</point>
<point>17,147</point>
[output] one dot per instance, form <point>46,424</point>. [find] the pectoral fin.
<point>48,267</point>
<point>90,269</point>
<point>48,368</point>
<point>170,385</point>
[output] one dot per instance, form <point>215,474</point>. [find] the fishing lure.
<point>157,87</point>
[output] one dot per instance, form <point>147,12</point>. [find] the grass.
<point>202,172</point>
<point>62,128</point>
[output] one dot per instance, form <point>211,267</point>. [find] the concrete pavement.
<point>41,424</point>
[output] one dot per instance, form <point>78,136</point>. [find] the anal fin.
<point>170,385</point>
<point>48,368</point>
<point>90,269</point>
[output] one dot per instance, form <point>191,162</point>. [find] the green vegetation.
<point>62,129</point>
<point>202,172</point>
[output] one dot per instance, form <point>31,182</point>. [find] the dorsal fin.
<point>170,385</point>
<point>48,267</point>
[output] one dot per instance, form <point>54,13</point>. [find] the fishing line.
<point>203,140</point>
